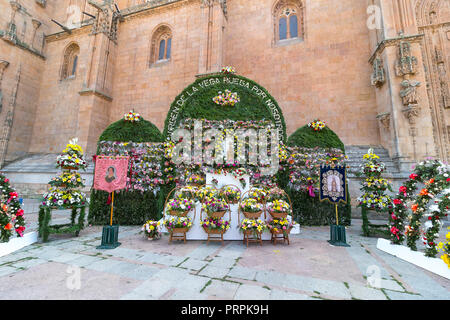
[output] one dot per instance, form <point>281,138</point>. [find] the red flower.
<point>6,180</point>
<point>413,176</point>
<point>19,213</point>
<point>448,179</point>
<point>403,190</point>
<point>8,226</point>
<point>397,201</point>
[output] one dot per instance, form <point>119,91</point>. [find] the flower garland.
<point>317,125</point>
<point>132,116</point>
<point>11,214</point>
<point>152,229</point>
<point>227,99</point>
<point>228,70</point>
<point>63,198</point>
<point>435,175</point>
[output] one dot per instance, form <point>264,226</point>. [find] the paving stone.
<point>168,260</point>
<point>65,257</point>
<point>84,261</point>
<point>223,290</point>
<point>242,273</point>
<point>222,262</point>
<point>50,253</point>
<point>365,293</point>
<point>191,283</point>
<point>249,292</point>
<point>6,270</point>
<point>231,251</point>
<point>103,265</point>
<point>125,253</point>
<point>276,294</point>
<point>202,252</point>
<point>366,263</point>
<point>29,263</point>
<point>271,277</point>
<point>152,289</point>
<point>180,294</point>
<point>395,295</point>
<point>193,264</point>
<point>391,285</point>
<point>327,287</point>
<point>142,272</point>
<point>149,257</point>
<point>137,296</point>
<point>214,272</point>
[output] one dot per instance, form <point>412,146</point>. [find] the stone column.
<point>3,65</point>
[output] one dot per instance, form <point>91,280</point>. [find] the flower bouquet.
<point>232,194</point>
<point>132,116</point>
<point>280,226</point>
<point>207,192</point>
<point>275,194</point>
<point>215,207</point>
<point>72,157</point>
<point>214,225</point>
<point>251,208</point>
<point>179,206</point>
<point>152,230</point>
<point>62,198</point>
<point>178,224</point>
<point>253,226</point>
<point>317,125</point>
<point>226,99</point>
<point>259,194</point>
<point>228,70</point>
<point>278,209</point>
<point>67,179</point>
<point>196,180</point>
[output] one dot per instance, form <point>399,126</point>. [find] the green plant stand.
<point>337,236</point>
<point>45,216</point>
<point>110,235</point>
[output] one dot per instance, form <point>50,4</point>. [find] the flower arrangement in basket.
<point>132,116</point>
<point>251,208</point>
<point>228,70</point>
<point>317,125</point>
<point>196,180</point>
<point>188,192</point>
<point>275,194</point>
<point>278,226</point>
<point>152,230</point>
<point>11,214</point>
<point>207,192</point>
<point>179,206</point>
<point>71,157</point>
<point>232,194</point>
<point>63,198</point>
<point>215,225</point>
<point>215,207</point>
<point>259,194</point>
<point>226,99</point>
<point>67,179</point>
<point>278,209</point>
<point>178,224</point>
<point>252,226</point>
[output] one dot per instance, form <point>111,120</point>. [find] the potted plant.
<point>215,207</point>
<point>280,226</point>
<point>152,230</point>
<point>195,180</point>
<point>259,194</point>
<point>231,194</point>
<point>215,225</point>
<point>276,194</point>
<point>178,225</point>
<point>207,192</point>
<point>179,206</point>
<point>252,227</point>
<point>251,208</point>
<point>278,209</point>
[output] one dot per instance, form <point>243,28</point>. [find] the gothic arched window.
<point>70,62</point>
<point>161,45</point>
<point>288,20</point>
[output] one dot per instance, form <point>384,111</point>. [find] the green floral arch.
<point>196,102</point>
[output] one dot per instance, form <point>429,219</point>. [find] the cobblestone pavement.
<point>70,267</point>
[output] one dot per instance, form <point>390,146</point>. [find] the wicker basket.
<point>278,215</point>
<point>179,213</point>
<point>174,212</point>
<point>214,231</point>
<point>217,214</point>
<point>69,168</point>
<point>252,215</point>
<point>280,231</point>
<point>179,230</point>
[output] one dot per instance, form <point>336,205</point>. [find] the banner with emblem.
<point>333,186</point>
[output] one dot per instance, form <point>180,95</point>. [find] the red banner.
<point>110,173</point>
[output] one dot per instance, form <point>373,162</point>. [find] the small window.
<point>289,23</point>
<point>283,28</point>
<point>70,62</point>
<point>161,45</point>
<point>74,66</point>
<point>169,45</point>
<point>162,49</point>
<point>293,26</point>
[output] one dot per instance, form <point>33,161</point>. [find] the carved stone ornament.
<point>385,119</point>
<point>406,62</point>
<point>378,76</point>
<point>411,113</point>
<point>409,92</point>
<point>42,3</point>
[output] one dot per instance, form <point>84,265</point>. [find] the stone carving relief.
<point>385,120</point>
<point>378,75</point>
<point>409,92</point>
<point>406,62</point>
<point>42,3</point>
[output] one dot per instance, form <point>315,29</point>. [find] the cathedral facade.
<point>376,71</point>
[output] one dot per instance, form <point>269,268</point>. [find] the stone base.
<point>337,236</point>
<point>110,236</point>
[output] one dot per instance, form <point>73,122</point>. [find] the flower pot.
<point>69,168</point>
<point>179,230</point>
<point>280,231</point>
<point>278,215</point>
<point>150,238</point>
<point>252,215</point>
<point>178,213</point>
<point>217,214</point>
<point>195,184</point>
<point>214,231</point>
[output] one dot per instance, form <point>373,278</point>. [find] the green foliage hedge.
<point>307,210</point>
<point>132,207</point>
<point>308,138</point>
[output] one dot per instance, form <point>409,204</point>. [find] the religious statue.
<point>406,62</point>
<point>409,92</point>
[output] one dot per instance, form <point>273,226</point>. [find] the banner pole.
<point>337,216</point>
<point>112,207</point>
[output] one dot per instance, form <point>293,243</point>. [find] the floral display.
<point>231,194</point>
<point>276,194</point>
<point>207,192</point>
<point>227,99</point>
<point>214,204</point>
<point>431,202</point>
<point>196,179</point>
<point>152,229</point>
<point>67,179</point>
<point>11,214</point>
<point>228,70</point>
<point>280,225</point>
<point>174,222</point>
<point>251,205</point>
<point>72,157</point>
<point>317,125</point>
<point>132,116</point>
<point>374,187</point>
<point>278,206</point>
<point>179,205</point>
<point>253,225</point>
<point>258,194</point>
<point>215,224</point>
<point>63,198</point>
